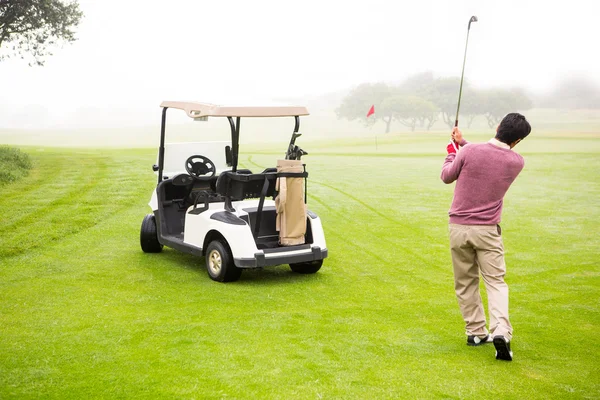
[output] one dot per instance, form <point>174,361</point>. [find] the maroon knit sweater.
<point>483,173</point>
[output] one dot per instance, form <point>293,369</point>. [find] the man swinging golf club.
<point>483,173</point>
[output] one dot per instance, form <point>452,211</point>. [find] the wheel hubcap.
<point>214,262</point>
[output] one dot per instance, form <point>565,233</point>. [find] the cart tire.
<point>307,267</point>
<point>149,235</point>
<point>219,263</point>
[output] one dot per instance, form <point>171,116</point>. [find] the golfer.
<point>483,173</point>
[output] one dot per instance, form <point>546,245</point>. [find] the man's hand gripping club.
<point>456,138</point>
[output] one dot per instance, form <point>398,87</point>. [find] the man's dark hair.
<point>512,128</point>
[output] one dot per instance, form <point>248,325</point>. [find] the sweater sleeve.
<point>452,166</point>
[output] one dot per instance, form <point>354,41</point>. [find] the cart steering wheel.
<point>200,167</point>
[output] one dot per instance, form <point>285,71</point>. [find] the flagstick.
<point>369,113</point>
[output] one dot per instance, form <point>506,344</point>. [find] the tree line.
<point>421,100</point>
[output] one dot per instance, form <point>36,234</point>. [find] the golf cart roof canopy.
<point>200,110</point>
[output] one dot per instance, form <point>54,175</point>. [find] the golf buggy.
<point>236,218</point>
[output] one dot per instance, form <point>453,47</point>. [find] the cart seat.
<point>239,185</point>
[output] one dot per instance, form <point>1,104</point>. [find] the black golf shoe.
<point>502,348</point>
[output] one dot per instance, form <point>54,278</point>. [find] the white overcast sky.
<point>136,53</point>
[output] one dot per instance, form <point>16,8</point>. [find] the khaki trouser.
<point>478,249</point>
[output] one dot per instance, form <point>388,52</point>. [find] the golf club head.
<point>473,19</point>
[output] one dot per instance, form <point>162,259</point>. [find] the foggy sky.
<point>133,54</point>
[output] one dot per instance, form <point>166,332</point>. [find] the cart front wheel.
<point>149,235</point>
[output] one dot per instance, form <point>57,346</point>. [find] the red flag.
<point>371,111</point>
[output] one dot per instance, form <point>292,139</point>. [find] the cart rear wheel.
<point>307,267</point>
<point>219,263</point>
<point>149,235</point>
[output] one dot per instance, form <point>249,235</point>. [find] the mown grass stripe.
<point>65,211</point>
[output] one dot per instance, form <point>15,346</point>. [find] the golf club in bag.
<point>290,203</point>
<point>472,19</point>
<point>294,152</point>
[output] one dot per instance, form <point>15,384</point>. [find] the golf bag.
<point>289,203</point>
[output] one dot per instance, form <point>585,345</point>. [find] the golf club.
<point>472,19</point>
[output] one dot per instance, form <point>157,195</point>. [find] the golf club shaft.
<point>462,75</point>
<point>461,80</point>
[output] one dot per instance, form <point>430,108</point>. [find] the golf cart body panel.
<point>204,205</point>
<point>153,201</point>
<point>235,227</point>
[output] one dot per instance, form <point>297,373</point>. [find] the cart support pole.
<point>235,142</point>
<point>161,149</point>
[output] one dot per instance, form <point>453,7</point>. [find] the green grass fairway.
<point>84,313</point>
